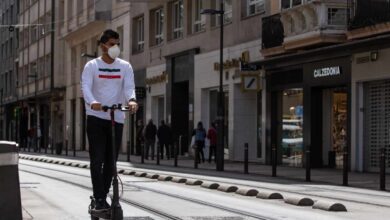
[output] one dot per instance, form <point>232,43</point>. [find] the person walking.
<point>200,136</point>
<point>212,136</point>
<point>140,138</point>
<point>164,139</point>
<point>105,81</point>
<point>150,132</point>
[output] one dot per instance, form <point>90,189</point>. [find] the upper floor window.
<point>139,41</point>
<point>337,16</point>
<point>285,4</point>
<point>159,26</point>
<point>177,19</point>
<point>121,37</point>
<point>228,16</point>
<point>198,21</point>
<point>256,7</point>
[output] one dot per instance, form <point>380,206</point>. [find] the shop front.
<point>308,107</point>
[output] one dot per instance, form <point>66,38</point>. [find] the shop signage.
<point>156,79</point>
<point>327,72</point>
<point>233,63</point>
<point>250,82</point>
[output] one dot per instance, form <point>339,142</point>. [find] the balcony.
<point>315,24</point>
<point>370,18</point>
<point>96,14</point>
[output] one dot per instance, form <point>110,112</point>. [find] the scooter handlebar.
<point>114,107</point>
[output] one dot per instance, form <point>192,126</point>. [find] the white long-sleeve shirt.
<point>107,84</point>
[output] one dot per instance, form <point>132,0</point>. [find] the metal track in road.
<point>127,201</point>
<point>196,201</point>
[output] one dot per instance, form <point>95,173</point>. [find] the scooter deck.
<point>101,215</point>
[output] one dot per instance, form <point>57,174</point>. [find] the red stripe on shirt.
<point>110,76</point>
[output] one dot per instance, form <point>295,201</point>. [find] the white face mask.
<point>114,51</point>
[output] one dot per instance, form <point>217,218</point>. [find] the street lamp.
<point>221,96</point>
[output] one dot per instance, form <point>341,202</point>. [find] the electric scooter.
<point>115,212</point>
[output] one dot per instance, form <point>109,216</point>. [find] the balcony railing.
<point>369,13</point>
<point>96,11</point>
<point>315,23</point>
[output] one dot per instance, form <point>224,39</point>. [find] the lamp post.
<point>221,96</point>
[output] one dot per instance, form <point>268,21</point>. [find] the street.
<point>53,191</point>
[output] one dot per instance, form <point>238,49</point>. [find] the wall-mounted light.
<point>374,55</point>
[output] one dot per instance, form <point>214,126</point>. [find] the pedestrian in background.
<point>200,136</point>
<point>212,136</point>
<point>140,137</point>
<point>150,132</point>
<point>164,136</point>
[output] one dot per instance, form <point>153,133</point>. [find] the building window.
<point>177,15</point>
<point>337,16</point>
<point>120,32</point>
<point>255,7</point>
<point>228,8</point>
<point>286,4</point>
<point>33,32</point>
<point>140,34</point>
<point>159,26</point>
<point>33,72</point>
<point>199,21</point>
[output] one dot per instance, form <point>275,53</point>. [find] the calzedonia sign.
<point>327,72</point>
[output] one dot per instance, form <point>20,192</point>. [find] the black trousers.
<point>166,145</point>
<point>212,152</point>
<point>100,153</point>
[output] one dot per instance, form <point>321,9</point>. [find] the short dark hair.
<point>107,35</point>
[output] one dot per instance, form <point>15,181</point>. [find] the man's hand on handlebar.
<point>133,106</point>
<point>97,106</point>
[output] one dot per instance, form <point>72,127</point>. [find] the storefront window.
<point>292,135</point>
<point>339,126</point>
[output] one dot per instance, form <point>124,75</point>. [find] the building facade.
<point>85,21</point>
<point>9,39</point>
<point>178,50</point>
<point>40,77</point>
<point>308,83</point>
<point>327,83</point>
<point>370,84</point>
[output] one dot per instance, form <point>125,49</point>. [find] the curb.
<point>179,180</point>
<point>194,182</point>
<point>329,206</point>
<point>269,195</point>
<point>299,201</point>
<point>152,176</point>
<point>164,178</point>
<point>210,185</point>
<point>227,188</point>
<point>140,174</point>
<point>129,172</point>
<point>247,192</point>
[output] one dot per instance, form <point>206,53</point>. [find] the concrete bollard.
<point>329,206</point>
<point>269,195</point>
<point>247,192</point>
<point>299,201</point>
<point>10,202</point>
